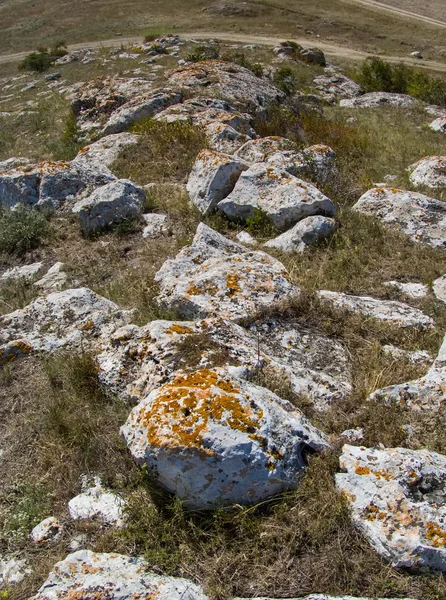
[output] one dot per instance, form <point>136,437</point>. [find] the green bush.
<point>285,79</point>
<point>203,52</point>
<point>21,230</point>
<point>41,60</point>
<point>239,58</point>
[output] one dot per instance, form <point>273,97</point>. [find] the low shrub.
<point>239,58</point>
<point>43,58</point>
<point>285,79</point>
<point>203,52</point>
<point>22,230</point>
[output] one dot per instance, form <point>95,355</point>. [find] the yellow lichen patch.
<point>435,534</point>
<point>373,513</point>
<point>88,326</point>
<point>182,410</point>
<point>362,470</point>
<point>180,329</point>
<point>232,283</point>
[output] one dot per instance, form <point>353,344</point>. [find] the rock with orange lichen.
<point>73,318</point>
<point>215,440</point>
<point>105,150</point>
<point>426,393</point>
<point>212,178</point>
<point>283,198</point>
<point>422,218</point>
<point>397,498</point>
<point>429,172</point>
<point>215,276</point>
<point>87,575</point>
<point>139,359</point>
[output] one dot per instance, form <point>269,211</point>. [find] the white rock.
<point>439,288</point>
<point>418,216</point>
<point>416,54</point>
<point>54,280</point>
<point>426,393</point>
<point>13,570</point>
<point>283,198</point>
<point>257,150</point>
<point>439,125</point>
<point>27,272</point>
<point>85,574</point>
<point>397,499</point>
<point>429,171</point>
<point>374,99</point>
<point>111,203</point>
<point>353,435</point>
<point>393,313</point>
<point>325,597</point>
<point>107,149</point>
<point>47,530</point>
<point>214,440</point>
<point>337,86</point>
<point>217,276</point>
<point>413,290</point>
<point>304,234</point>
<point>246,238</point>
<point>78,542</point>
<point>156,225</point>
<point>435,110</point>
<point>415,357</point>
<point>95,502</point>
<point>212,178</point>
<point>62,319</point>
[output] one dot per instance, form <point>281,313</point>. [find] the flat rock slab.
<point>139,359</point>
<point>429,171</point>
<point>86,574</point>
<point>397,499</point>
<point>214,440</point>
<point>283,198</point>
<point>70,318</point>
<point>13,570</point>
<point>215,276</point>
<point>426,393</point>
<point>393,313</point>
<point>106,150</point>
<point>422,218</point>
<point>414,290</point>
<point>379,99</point>
<point>26,272</point>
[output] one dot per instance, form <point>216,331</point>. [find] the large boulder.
<point>138,359</point>
<point>429,172</point>
<point>304,234</point>
<point>212,178</point>
<point>336,86</point>
<point>234,83</point>
<point>283,198</point>
<point>214,440</point>
<point>89,575</point>
<point>397,499</point>
<point>390,312</point>
<point>105,150</point>
<point>73,318</point>
<point>379,99</point>
<point>418,216</point>
<point>215,276</point>
<point>109,204</point>
<point>426,393</point>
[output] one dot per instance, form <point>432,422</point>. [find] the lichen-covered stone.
<point>26,272</point>
<point>214,440</point>
<point>412,289</point>
<point>397,499</point>
<point>46,531</point>
<point>376,99</point>
<point>106,150</point>
<point>95,502</point>
<point>55,279</point>
<point>336,86</point>
<point>429,171</point>
<point>12,570</point>
<point>217,276</point>
<point>304,234</point>
<point>439,125</point>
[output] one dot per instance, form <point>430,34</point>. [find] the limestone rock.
<point>426,393</point>
<point>393,313</point>
<point>325,597</point>
<point>307,232</point>
<point>412,289</point>
<point>47,530</point>
<point>284,199</point>
<point>397,499</point>
<point>112,203</point>
<point>429,171</point>
<point>337,86</point>
<point>155,225</point>
<point>54,280</point>
<point>62,319</point>
<point>26,272</point>
<point>212,178</point>
<point>12,570</point>
<point>439,288</point>
<point>418,216</point>
<point>416,357</point>
<point>217,276</point>
<point>246,238</point>
<point>85,574</point>
<point>439,125</point>
<point>313,56</point>
<point>106,150</point>
<point>214,440</point>
<point>375,99</point>
<point>95,502</point>
<point>257,150</point>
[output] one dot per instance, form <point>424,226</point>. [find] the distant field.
<point>436,9</point>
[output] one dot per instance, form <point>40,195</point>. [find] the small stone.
<point>95,502</point>
<point>156,225</point>
<point>413,290</point>
<point>353,435</point>
<point>416,357</point>
<point>53,76</point>
<point>47,530</point>
<point>439,125</point>
<point>246,238</point>
<point>304,234</point>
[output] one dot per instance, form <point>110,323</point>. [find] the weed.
<point>15,293</point>
<point>260,225</point>
<point>22,230</point>
<point>203,52</point>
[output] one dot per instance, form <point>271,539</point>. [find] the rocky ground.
<point>222,300</point>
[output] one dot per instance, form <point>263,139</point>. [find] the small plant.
<point>203,52</point>
<point>21,230</point>
<point>41,60</point>
<point>285,79</point>
<point>260,225</point>
<point>239,58</point>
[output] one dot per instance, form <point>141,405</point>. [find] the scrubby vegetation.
<point>41,60</point>
<point>21,230</point>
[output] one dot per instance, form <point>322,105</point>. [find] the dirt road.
<point>397,11</point>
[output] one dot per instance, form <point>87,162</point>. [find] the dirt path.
<point>398,11</point>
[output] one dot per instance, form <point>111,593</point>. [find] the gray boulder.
<point>429,172</point>
<point>379,99</point>
<point>306,233</point>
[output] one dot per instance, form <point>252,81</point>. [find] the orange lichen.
<point>362,470</point>
<point>232,283</point>
<point>435,534</point>
<point>180,329</point>
<point>88,325</point>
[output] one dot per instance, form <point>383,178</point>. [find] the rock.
<point>387,311</point>
<point>137,360</point>
<point>212,178</point>
<point>87,575</point>
<point>54,280</point>
<point>78,542</point>
<point>413,290</point>
<point>95,502</point>
<point>46,531</point>
<point>214,440</point>
<point>53,76</point>
<point>429,171</point>
<point>12,570</point>
<point>439,125</point>
<point>257,151</point>
<point>307,232</point>
<point>397,499</point>
<point>246,238</point>
<point>217,276</point>
<point>283,198</point>
<point>416,357</point>
<point>439,288</point>
<point>426,393</point>
<point>325,597</point>
<point>337,87</point>
<point>376,99</point>
<point>26,273</point>
<point>353,435</point>
<point>422,218</point>
<point>234,83</point>
<point>156,225</point>
<point>112,203</point>
<point>106,150</point>
<point>313,56</point>
<point>416,54</point>
<point>72,318</point>
<point>435,110</point>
